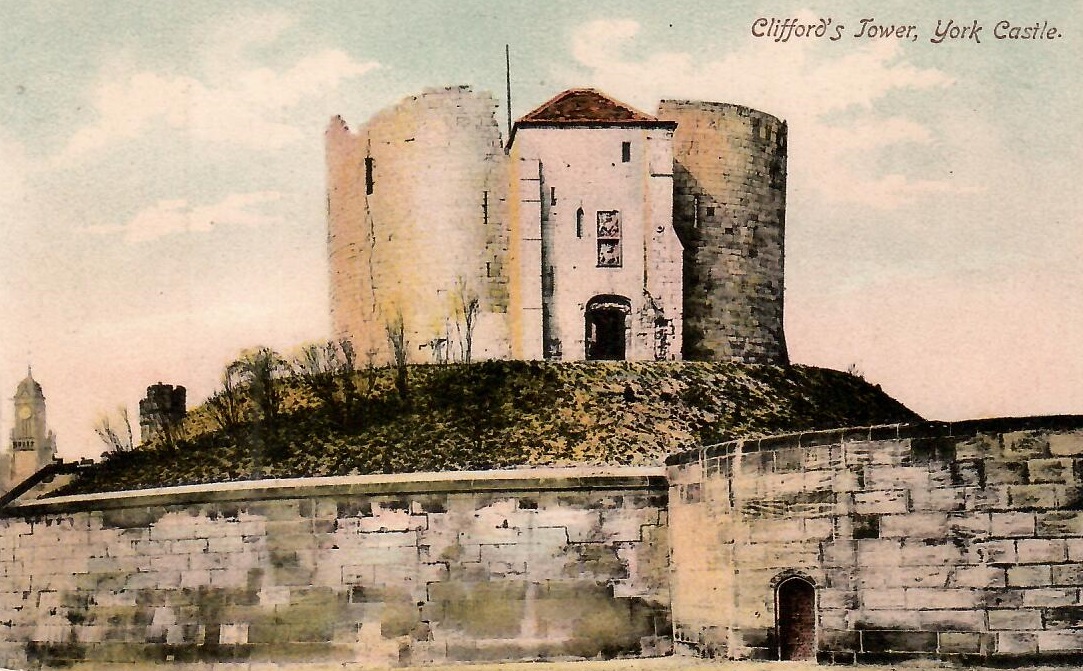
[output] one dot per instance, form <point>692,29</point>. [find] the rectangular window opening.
<point>368,175</point>
<point>552,195</point>
<point>625,152</point>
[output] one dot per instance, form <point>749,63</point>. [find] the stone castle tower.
<point>596,231</point>
<point>33,445</point>
<point>162,409</point>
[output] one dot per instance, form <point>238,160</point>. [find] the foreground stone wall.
<point>950,540</point>
<point>387,570</point>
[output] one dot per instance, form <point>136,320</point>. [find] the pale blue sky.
<point>161,178</point>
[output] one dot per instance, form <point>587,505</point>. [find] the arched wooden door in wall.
<point>795,619</point>
<point>607,325</point>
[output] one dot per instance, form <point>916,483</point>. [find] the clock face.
<point>25,412</point>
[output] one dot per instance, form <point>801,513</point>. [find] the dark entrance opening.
<point>606,321</point>
<point>795,615</point>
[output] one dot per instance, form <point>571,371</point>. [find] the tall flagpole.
<point>507,70</point>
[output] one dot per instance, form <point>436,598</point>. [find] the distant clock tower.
<point>32,444</point>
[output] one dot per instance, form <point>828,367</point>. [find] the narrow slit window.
<point>625,152</point>
<point>579,223</point>
<point>368,175</point>
<point>552,195</point>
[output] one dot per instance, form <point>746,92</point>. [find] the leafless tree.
<point>226,405</point>
<point>466,314</point>
<point>329,371</point>
<point>115,432</point>
<point>396,337</point>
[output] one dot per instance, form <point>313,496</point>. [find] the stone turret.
<point>729,207</point>
<point>163,408</point>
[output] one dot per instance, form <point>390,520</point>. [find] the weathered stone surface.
<point>977,551</point>
<point>1015,619</point>
<point>378,581</point>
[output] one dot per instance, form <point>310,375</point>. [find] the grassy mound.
<point>503,414</point>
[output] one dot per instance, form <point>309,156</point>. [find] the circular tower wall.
<point>415,228</point>
<point>729,209</point>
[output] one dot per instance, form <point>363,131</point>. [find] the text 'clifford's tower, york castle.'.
<point>595,232</point>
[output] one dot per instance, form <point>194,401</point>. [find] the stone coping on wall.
<point>511,480</point>
<point>931,429</point>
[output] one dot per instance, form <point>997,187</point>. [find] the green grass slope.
<point>507,413</point>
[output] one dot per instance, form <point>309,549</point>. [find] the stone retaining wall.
<point>381,569</point>
<point>948,540</point>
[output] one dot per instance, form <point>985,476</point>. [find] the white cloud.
<point>799,81</point>
<point>232,101</point>
<point>168,217</point>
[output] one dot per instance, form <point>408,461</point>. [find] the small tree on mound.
<point>115,432</point>
<point>225,406</point>
<point>260,372</point>
<point>396,338</point>
<point>329,371</point>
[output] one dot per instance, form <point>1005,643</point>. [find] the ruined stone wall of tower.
<point>729,207</point>
<point>415,228</point>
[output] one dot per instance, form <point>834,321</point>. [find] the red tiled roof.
<point>585,106</point>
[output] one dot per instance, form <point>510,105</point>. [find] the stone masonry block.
<point>885,619</point>
<point>1066,444</point>
<point>1025,444</point>
<point>1016,643</point>
<point>953,620</point>
<point>990,497</point>
<point>930,552</point>
<point>938,499</point>
<point>914,525</point>
<point>1002,598</point>
<point>1041,550</point>
<point>969,526</point>
<point>896,477</point>
<point>924,598</point>
<point>881,502</point>
<point>837,599</point>
<point>1060,523</point>
<point>1015,619</point>
<point>883,598</point>
<point>1011,524</point>
<point>992,552</point>
<point>906,576</point>
<point>878,552</point>
<point>977,447</point>
<point>968,473</point>
<point>1067,617</point>
<point>956,642</point>
<point>1057,471</point>
<point>899,640</point>
<point>1005,472</point>
<point>1060,641</point>
<point>1033,575</point>
<point>1048,596</point>
<point>978,576</point>
<point>1068,574</point>
<point>1032,496</point>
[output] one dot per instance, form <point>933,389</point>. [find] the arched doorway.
<point>795,618</point>
<point>607,326</point>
